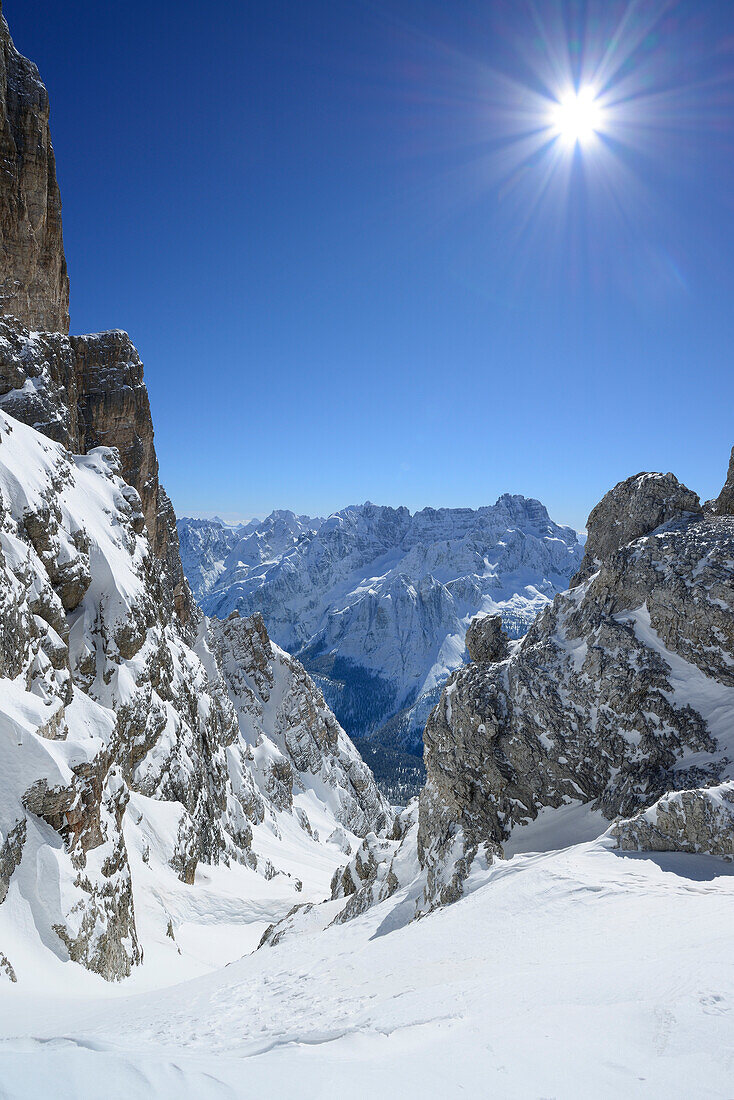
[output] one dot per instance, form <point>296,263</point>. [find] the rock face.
<point>724,503</point>
<point>631,509</point>
<point>86,392</point>
<point>622,691</point>
<point>295,740</point>
<point>485,640</point>
<point>82,391</point>
<point>118,725</point>
<point>34,285</point>
<point>101,699</point>
<point>685,821</point>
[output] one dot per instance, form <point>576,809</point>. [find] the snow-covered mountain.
<point>134,750</point>
<point>175,791</point>
<point>157,774</point>
<point>376,600</point>
<point>213,552</point>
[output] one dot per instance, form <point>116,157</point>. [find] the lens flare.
<point>577,117</point>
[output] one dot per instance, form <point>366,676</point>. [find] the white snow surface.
<point>574,973</point>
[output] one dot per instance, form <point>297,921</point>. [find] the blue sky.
<point>350,273</point>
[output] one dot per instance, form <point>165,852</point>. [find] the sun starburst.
<point>578,117</point>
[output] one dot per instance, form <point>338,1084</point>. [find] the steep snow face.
<point>123,766</point>
<point>214,552</point>
<point>301,757</point>
<point>377,600</point>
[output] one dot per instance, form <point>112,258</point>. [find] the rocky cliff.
<point>137,742</point>
<point>621,692</point>
<point>120,731</point>
<point>85,392</point>
<point>82,391</point>
<point>34,285</point>
<point>724,503</point>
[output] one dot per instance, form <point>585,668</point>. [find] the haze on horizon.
<point>360,263</point>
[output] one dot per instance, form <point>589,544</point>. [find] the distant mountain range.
<point>375,601</point>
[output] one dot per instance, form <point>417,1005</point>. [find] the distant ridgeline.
<point>375,601</point>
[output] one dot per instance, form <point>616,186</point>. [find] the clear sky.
<point>358,266</point>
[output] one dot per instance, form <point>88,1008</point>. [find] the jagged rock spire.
<point>724,503</point>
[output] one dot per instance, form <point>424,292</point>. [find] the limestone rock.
<point>485,639</point>
<point>631,509</point>
<point>617,696</point>
<point>34,285</point>
<point>684,821</point>
<point>292,734</point>
<point>724,503</point>
<point>86,392</point>
<point>6,968</point>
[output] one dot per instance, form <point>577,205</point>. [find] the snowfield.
<point>574,973</point>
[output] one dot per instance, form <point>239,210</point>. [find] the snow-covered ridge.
<point>376,599</point>
<point>134,752</point>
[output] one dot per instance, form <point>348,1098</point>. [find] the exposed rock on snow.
<point>684,821</point>
<point>485,639</point>
<point>631,509</point>
<point>86,392</point>
<point>724,503</point>
<point>34,284</point>
<point>621,692</point>
<point>103,700</point>
<point>100,695</point>
<point>295,739</point>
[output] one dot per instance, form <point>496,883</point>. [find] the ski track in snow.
<point>570,973</point>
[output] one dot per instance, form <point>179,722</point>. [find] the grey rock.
<point>587,708</point>
<point>485,639</point>
<point>34,284</point>
<point>6,969</point>
<point>683,821</point>
<point>631,509</point>
<point>11,853</point>
<point>724,503</point>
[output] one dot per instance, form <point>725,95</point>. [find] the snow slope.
<point>575,973</point>
<point>377,600</point>
<point>147,771</point>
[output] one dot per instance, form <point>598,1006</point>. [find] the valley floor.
<point>574,973</point>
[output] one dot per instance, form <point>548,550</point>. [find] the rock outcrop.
<point>631,509</point>
<point>683,821</point>
<point>34,285</point>
<point>485,640</point>
<point>86,392</point>
<point>294,739</point>
<point>621,692</point>
<point>724,503</point>
<point>101,698</point>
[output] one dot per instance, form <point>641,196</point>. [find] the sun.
<point>577,117</point>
